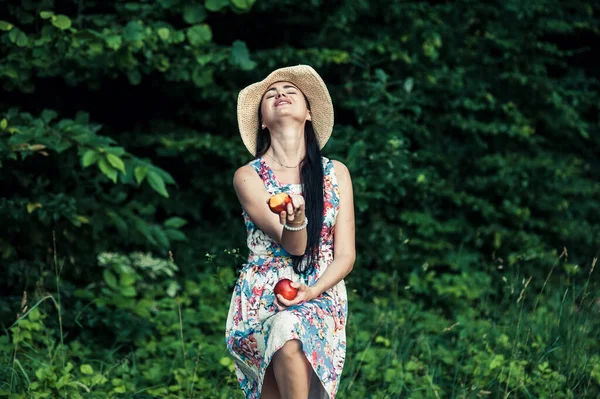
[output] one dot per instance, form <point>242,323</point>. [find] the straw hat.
<point>311,85</point>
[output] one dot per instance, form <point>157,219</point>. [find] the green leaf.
<point>163,33</point>
<point>33,206</point>
<point>129,292</point>
<point>165,175</point>
<point>107,170</point>
<point>68,367</point>
<point>119,223</point>
<point>216,5</point>
<point>118,151</point>
<point>8,71</point>
<point>202,76</point>
<point>157,183</point>
<point>161,237</point>
<point>86,369</point>
<point>408,85</point>
<point>141,226</point>
<point>193,13</point>
<point>89,158</point>
<point>381,75</point>
<point>172,289</point>
<point>133,31</point>
<point>240,56</point>
<point>22,40</point>
<point>411,365</point>
<point>48,115</point>
<point>126,279</point>
<point>41,373</point>
<point>175,235</point>
<point>116,162</point>
<point>497,362</point>
<point>140,173</point>
<point>46,14</point>
<point>62,22</point>
<point>142,308</point>
<point>12,36</point>
<point>120,389</point>
<point>3,124</point>
<point>110,279</point>
<point>62,381</point>
<point>244,5</point>
<point>175,222</point>
<point>114,42</point>
<point>5,26</point>
<point>134,76</point>
<point>225,361</point>
<point>199,34</point>
<point>35,315</point>
<point>18,37</point>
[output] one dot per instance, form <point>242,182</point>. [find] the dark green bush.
<point>471,133</point>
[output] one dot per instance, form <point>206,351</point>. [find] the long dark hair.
<point>311,178</point>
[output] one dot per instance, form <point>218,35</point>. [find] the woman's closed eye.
<point>273,95</point>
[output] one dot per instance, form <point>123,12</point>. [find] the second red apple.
<point>285,289</point>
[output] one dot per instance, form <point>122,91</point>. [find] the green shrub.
<point>470,130</point>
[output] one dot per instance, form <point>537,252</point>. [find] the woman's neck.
<point>287,146</point>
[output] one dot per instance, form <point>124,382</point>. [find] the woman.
<point>291,349</point>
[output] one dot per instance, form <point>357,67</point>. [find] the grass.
<point>400,343</point>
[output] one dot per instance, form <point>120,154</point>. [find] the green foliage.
<point>470,130</point>
<point>166,339</point>
<point>67,150</point>
<point>515,346</point>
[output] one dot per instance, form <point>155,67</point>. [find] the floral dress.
<point>256,329</point>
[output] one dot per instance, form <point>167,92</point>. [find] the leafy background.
<point>471,133</point>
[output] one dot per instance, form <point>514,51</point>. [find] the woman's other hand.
<point>305,294</point>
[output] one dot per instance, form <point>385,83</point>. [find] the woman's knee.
<point>290,349</point>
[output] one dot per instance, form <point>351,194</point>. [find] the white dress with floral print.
<point>256,329</point>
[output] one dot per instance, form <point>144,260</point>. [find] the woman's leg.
<point>269,388</point>
<point>292,371</point>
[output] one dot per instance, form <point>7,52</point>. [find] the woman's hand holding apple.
<point>290,208</point>
<point>304,293</point>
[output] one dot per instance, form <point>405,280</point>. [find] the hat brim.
<point>311,85</point>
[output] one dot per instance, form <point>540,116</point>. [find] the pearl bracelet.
<point>303,225</point>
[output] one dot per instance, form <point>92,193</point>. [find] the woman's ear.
<point>309,116</point>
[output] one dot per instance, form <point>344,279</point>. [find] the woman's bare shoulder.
<point>245,177</point>
<point>341,170</point>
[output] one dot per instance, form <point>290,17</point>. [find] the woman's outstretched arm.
<point>253,196</point>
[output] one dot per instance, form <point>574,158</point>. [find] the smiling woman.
<point>291,348</point>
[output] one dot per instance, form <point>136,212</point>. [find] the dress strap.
<point>329,171</point>
<point>265,174</point>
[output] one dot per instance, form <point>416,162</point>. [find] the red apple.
<point>278,202</point>
<point>284,287</point>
